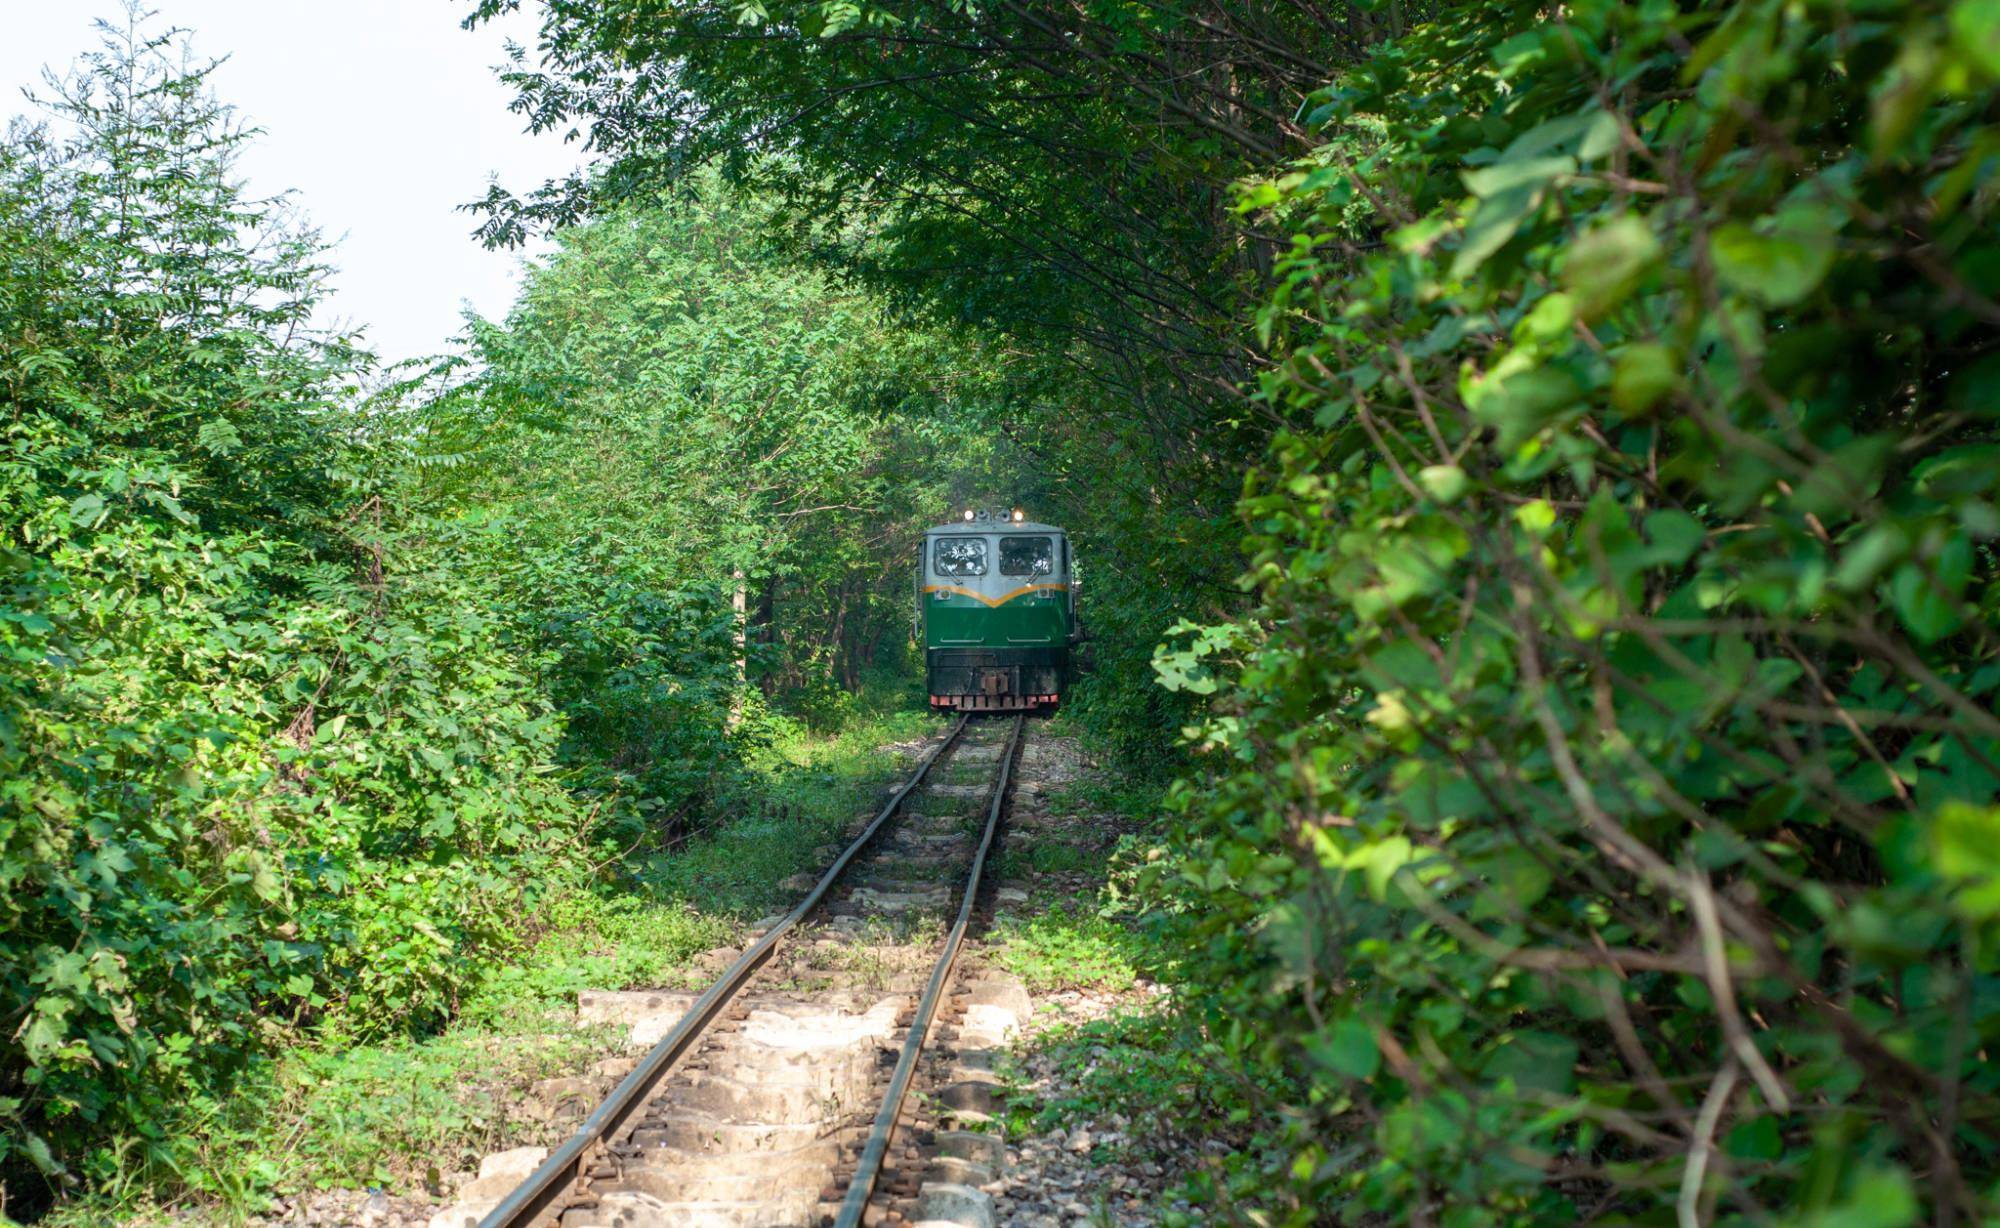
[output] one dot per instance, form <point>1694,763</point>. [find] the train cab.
<point>996,612</point>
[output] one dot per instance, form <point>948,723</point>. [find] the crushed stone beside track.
<point>1053,1179</point>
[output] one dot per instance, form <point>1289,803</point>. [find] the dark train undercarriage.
<point>996,679</point>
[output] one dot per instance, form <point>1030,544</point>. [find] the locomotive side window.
<point>961,556</point>
<point>1027,556</point>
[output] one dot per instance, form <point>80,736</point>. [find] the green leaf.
<point>1516,880</point>
<point>40,1156</point>
<point>1968,470</point>
<point>1642,375</point>
<point>1879,1198</point>
<point>1590,135</point>
<point>1756,1139</point>
<point>1869,557</point>
<point>1350,1049</point>
<point>63,970</point>
<point>1778,262</point>
<point>1535,1061</point>
<point>1550,320</point>
<point>1183,670</point>
<point>45,1032</point>
<point>1537,517</point>
<point>1975,33</point>
<point>262,880</point>
<point>1675,536</point>
<point>1445,483</point>
<point>1496,220</point>
<point>1901,98</point>
<point>87,510</point>
<point>1608,262</point>
<point>219,437</point>
<point>1966,843</point>
<point>1381,860</point>
<point>1927,595</point>
<point>1513,173</point>
<point>1523,403</point>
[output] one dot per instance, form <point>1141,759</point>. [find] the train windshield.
<point>961,556</point>
<point>1027,556</point>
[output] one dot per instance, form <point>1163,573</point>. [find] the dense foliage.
<point>722,421</point>
<point>261,762</point>
<point>1603,804</point>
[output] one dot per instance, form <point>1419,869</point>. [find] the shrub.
<point>260,764</point>
<point>1608,773</point>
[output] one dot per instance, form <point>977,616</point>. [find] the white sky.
<point>382,115</point>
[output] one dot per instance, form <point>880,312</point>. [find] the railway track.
<point>772,1102</point>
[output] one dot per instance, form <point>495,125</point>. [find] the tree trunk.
<point>739,602</point>
<point>837,638</point>
<point>767,628</point>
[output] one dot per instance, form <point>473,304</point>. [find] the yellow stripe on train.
<point>996,601</point>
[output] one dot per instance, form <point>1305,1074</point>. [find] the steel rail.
<point>548,1185</point>
<point>862,1189</point>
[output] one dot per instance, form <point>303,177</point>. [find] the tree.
<point>263,761</point>
<point>1056,177</point>
<point>681,427</point>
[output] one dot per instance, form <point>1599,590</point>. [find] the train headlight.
<point>968,513</point>
<point>1019,515</point>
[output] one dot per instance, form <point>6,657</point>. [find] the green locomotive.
<point>996,613</point>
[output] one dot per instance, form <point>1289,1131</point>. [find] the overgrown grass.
<point>885,947</point>
<point>803,791</point>
<point>1141,1062</point>
<point>1076,933</point>
<point>1129,797</point>
<point>402,1114</point>
<point>1065,948</point>
<point>395,1115</point>
<point>598,942</point>
<point>1047,857</point>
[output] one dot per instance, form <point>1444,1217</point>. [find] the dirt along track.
<point>764,1102</point>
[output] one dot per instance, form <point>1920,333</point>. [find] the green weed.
<point>885,946</point>
<point>804,791</point>
<point>1148,1064</point>
<point>599,942</point>
<point>1120,794</point>
<point>1065,949</point>
<point>1049,857</point>
<point>372,1115</point>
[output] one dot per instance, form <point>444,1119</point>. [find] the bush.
<point>260,763</point>
<point>1608,773</point>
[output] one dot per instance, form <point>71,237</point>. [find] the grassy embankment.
<point>400,1114</point>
